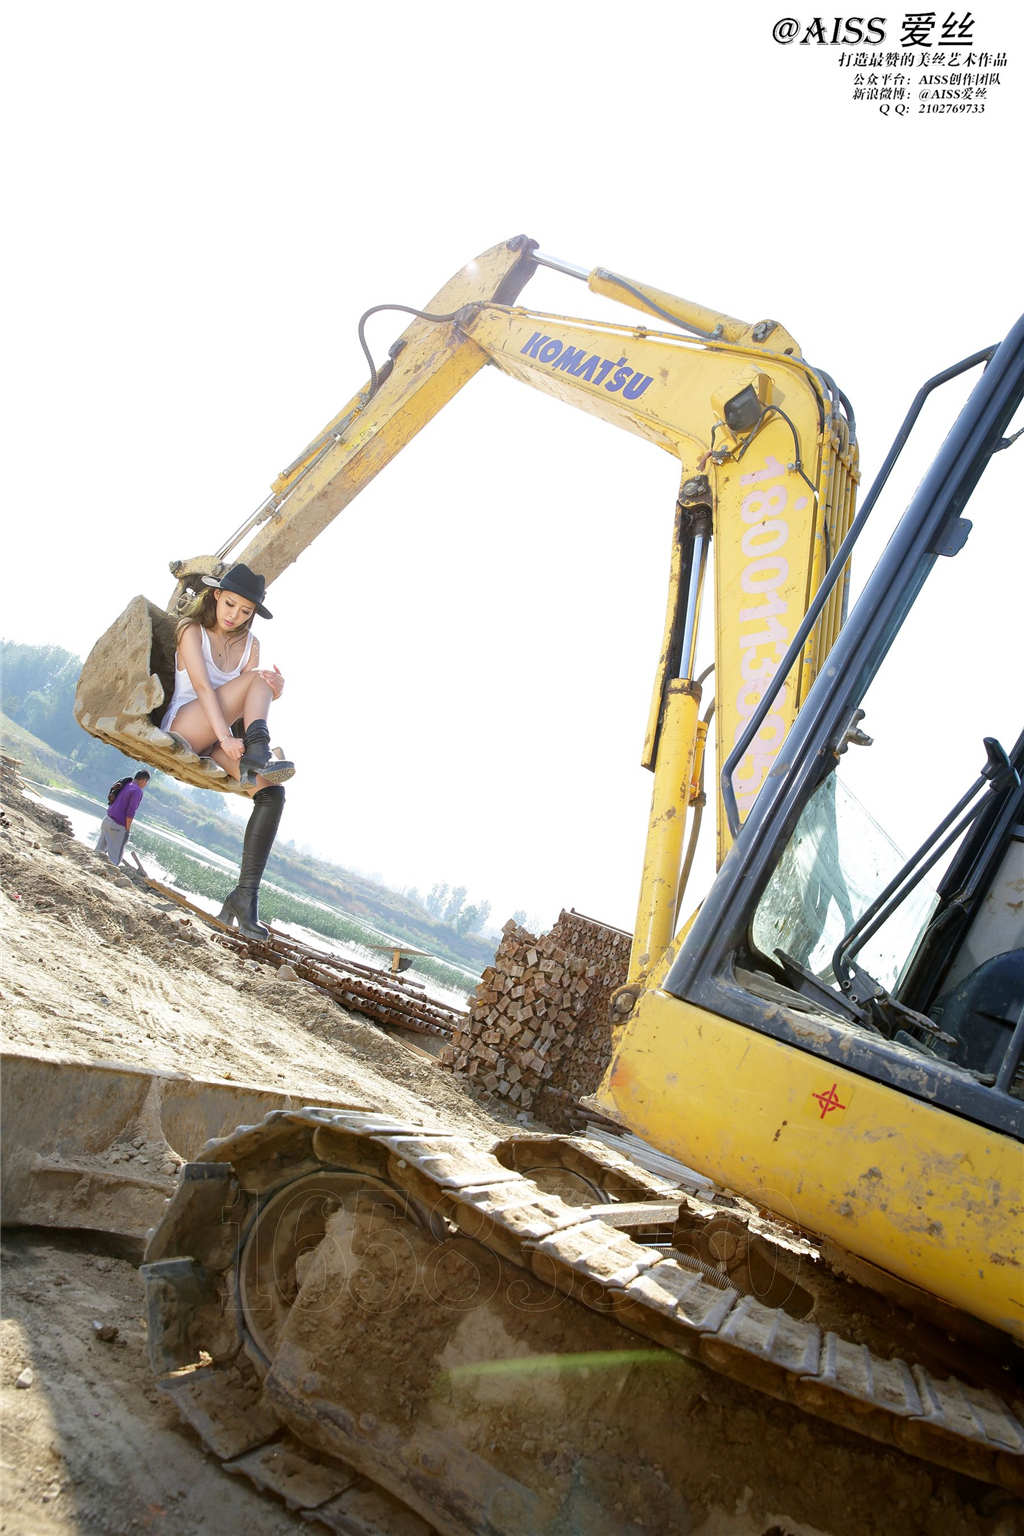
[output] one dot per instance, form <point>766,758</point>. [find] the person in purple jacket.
<point>117,823</point>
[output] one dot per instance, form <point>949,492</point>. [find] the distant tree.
<point>472,919</point>
<point>456,902</point>
<point>38,694</point>
<point>519,917</point>
<point>437,900</point>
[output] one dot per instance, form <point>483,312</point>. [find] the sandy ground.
<point>95,967</point>
<point>90,1445</point>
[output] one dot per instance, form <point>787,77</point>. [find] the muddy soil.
<point>96,967</point>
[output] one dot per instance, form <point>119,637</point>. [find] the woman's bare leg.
<point>258,698</point>
<point>247,696</point>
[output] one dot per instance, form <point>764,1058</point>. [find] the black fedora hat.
<point>246,584</point>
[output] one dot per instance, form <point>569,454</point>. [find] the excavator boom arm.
<point>426,367</point>
<point>767,473</point>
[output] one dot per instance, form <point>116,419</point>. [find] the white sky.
<point>205,200</point>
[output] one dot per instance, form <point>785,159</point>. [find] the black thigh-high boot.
<point>241,906</point>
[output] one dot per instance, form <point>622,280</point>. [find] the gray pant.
<point>112,839</point>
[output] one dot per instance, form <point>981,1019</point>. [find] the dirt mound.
<point>98,967</point>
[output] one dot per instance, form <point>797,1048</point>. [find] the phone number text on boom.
<point>763,636</point>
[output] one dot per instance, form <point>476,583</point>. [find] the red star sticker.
<point>829,1100</point>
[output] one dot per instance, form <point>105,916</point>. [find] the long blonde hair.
<point>203,610</point>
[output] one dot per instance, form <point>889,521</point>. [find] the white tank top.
<point>184,692</point>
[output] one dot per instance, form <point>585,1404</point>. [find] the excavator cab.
<point>857,1006</point>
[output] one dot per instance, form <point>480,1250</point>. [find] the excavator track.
<point>320,1223</point>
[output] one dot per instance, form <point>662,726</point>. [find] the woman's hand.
<point>231,747</point>
<point>273,679</point>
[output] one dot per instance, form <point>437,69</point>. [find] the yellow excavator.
<point>384,1324</point>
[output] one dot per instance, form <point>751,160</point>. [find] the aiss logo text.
<point>831,31</point>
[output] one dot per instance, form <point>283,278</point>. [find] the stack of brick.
<point>537,1033</point>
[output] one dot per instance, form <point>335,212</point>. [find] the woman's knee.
<point>232,696</point>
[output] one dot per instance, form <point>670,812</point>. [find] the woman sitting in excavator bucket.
<point>218,680</point>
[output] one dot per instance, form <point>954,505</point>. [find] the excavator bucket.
<point>123,691</point>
